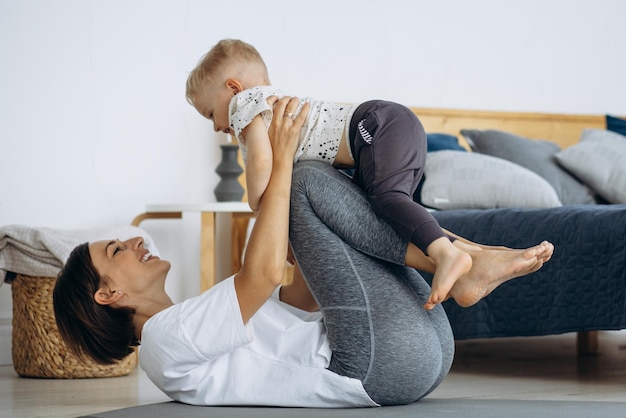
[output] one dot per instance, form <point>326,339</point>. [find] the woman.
<point>249,341</point>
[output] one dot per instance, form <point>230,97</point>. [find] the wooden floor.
<point>542,368</point>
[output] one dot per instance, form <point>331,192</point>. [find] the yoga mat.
<point>432,408</point>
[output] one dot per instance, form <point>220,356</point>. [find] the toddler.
<point>384,141</point>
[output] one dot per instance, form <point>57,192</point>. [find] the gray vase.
<point>229,170</point>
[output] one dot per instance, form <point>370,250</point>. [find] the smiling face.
<point>127,266</point>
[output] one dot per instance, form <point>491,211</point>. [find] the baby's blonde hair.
<point>227,52</point>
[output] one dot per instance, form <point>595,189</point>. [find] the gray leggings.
<point>353,263</point>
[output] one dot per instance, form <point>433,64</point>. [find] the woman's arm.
<point>258,161</point>
<point>264,262</point>
<point>297,292</point>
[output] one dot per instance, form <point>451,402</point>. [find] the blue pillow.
<point>616,124</point>
<point>441,142</point>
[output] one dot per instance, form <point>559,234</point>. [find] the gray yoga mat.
<point>432,408</point>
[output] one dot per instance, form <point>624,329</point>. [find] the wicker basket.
<point>38,350</point>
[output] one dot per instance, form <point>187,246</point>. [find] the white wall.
<point>94,124</point>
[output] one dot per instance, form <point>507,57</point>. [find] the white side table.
<point>241,214</point>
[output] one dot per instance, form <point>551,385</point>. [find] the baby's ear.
<point>234,86</point>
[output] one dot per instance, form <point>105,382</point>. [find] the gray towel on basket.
<point>41,252</point>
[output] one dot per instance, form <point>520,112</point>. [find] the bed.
<point>548,194</point>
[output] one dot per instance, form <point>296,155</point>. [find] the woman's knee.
<point>310,169</point>
<point>409,379</point>
<point>319,182</point>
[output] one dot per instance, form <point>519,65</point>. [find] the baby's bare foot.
<point>451,265</point>
<point>491,268</point>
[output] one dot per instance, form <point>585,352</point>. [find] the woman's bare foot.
<point>544,255</point>
<point>450,265</point>
<point>491,268</point>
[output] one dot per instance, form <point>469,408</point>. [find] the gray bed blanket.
<point>582,288</point>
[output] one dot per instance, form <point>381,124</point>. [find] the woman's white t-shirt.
<point>200,352</point>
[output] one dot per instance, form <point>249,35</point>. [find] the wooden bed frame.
<point>563,129</point>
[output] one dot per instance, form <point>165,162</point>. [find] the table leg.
<point>207,251</point>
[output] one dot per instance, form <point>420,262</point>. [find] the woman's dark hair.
<point>103,333</point>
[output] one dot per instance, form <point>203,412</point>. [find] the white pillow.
<point>463,180</point>
<point>598,160</point>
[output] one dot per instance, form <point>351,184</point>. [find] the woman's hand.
<point>285,128</point>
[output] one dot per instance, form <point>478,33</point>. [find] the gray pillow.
<point>467,180</point>
<point>599,159</point>
<point>535,155</point>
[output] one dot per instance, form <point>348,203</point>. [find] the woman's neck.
<point>148,310</point>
